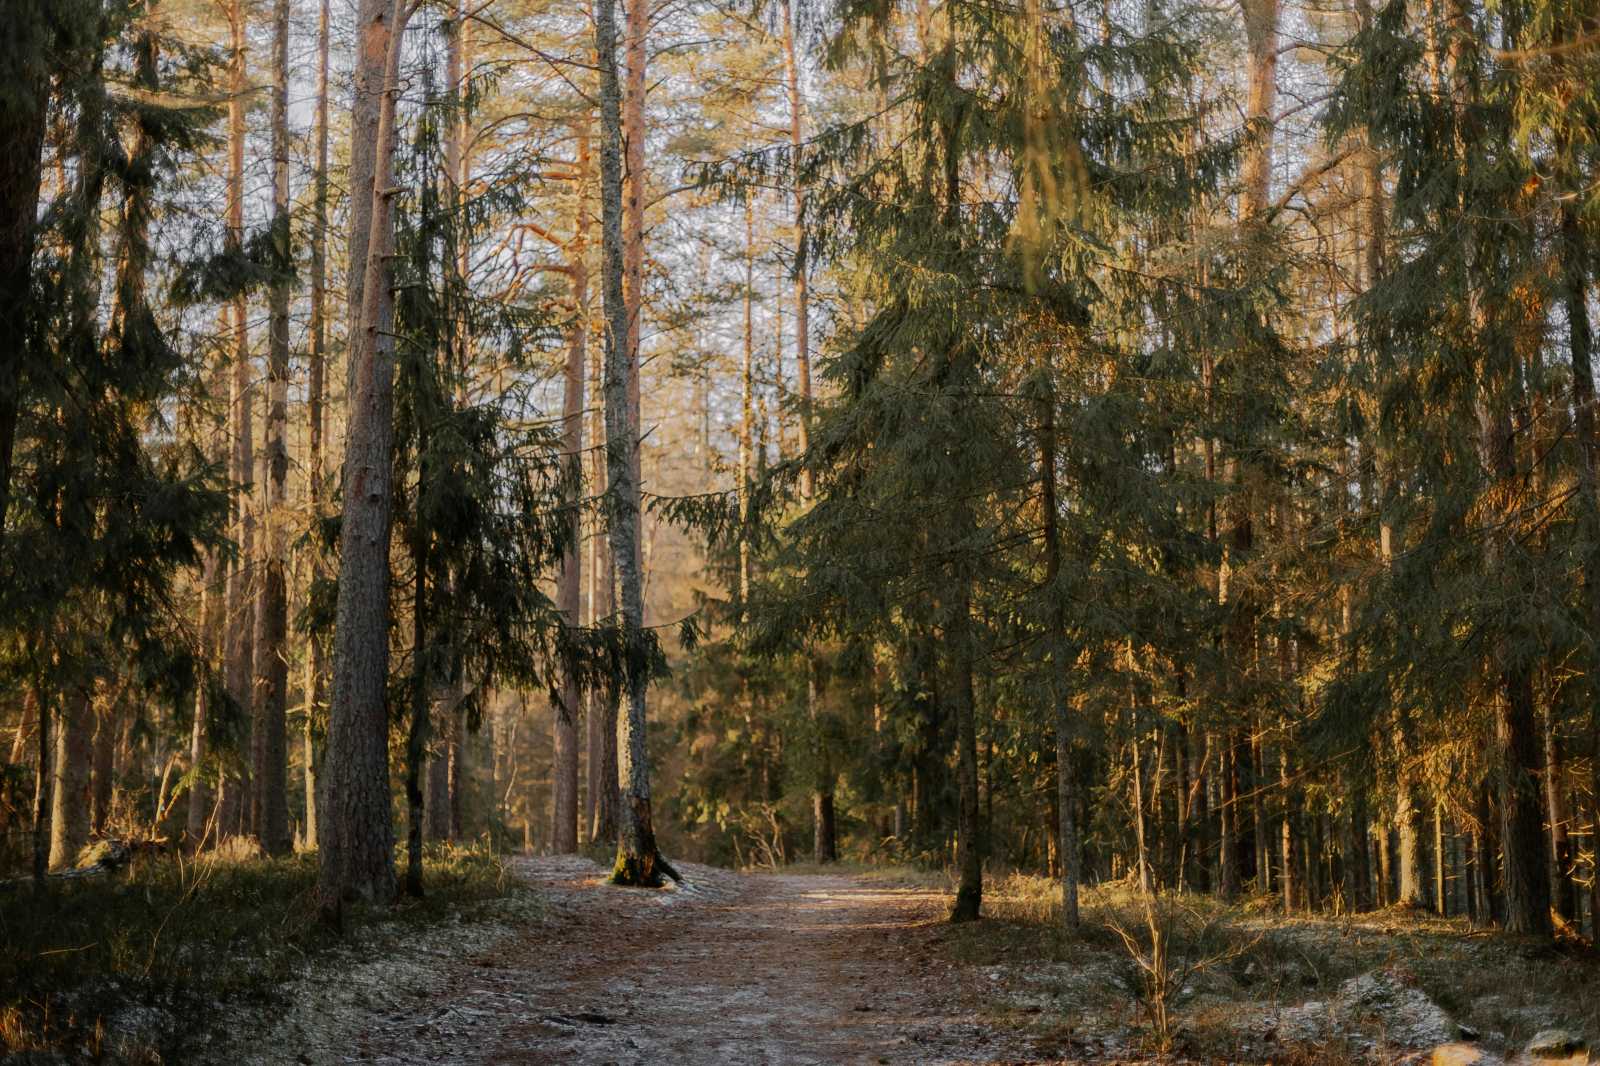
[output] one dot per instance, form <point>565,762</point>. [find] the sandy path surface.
<point>729,969</point>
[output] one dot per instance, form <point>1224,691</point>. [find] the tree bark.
<point>316,680</point>
<point>569,590</point>
<point>239,661</point>
<point>107,724</point>
<point>603,700</point>
<point>356,834</point>
<point>419,719</point>
<point>969,854</point>
<point>638,861</point>
<point>825,843</point>
<point>270,747</point>
<point>43,802</point>
<point>70,789</point>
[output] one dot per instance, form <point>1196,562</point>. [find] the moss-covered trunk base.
<point>636,871</point>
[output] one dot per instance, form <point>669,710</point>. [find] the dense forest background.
<point>1140,439</point>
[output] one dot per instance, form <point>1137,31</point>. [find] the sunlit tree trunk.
<point>356,834</point>
<point>638,861</point>
<point>239,658</point>
<point>316,680</point>
<point>569,590</point>
<point>603,700</point>
<point>70,790</point>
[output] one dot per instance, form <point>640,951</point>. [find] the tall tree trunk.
<point>603,700</point>
<point>569,592</point>
<point>825,844</point>
<point>202,800</point>
<point>421,683</point>
<point>1575,251</point>
<point>107,726</point>
<point>316,681</point>
<point>239,661</point>
<point>70,790</point>
<point>43,802</point>
<point>969,853</point>
<point>1408,834</point>
<point>634,134</point>
<point>1060,669</point>
<point>270,748</point>
<point>638,860</point>
<point>1228,878</point>
<point>356,835</point>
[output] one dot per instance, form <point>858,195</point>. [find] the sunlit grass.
<point>180,934</point>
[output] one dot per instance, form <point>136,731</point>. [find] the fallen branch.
<point>107,856</point>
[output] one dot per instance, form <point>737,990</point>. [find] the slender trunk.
<point>1408,837</point>
<point>239,661</point>
<point>202,801</point>
<point>969,856</point>
<point>633,208</point>
<point>270,748</point>
<point>316,681</point>
<point>107,726</point>
<point>356,835</point>
<point>1228,811</point>
<point>417,734</point>
<point>70,791</point>
<point>1440,903</point>
<point>603,700</point>
<point>42,799</point>
<point>569,592</point>
<point>638,861</point>
<point>825,834</point>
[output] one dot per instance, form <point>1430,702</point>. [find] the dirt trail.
<point>729,969</point>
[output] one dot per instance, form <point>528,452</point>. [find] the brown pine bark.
<point>356,835</point>
<point>43,801</point>
<point>969,852</point>
<point>603,700</point>
<point>270,751</point>
<point>638,859</point>
<point>316,679</point>
<point>569,587</point>
<point>239,658</point>
<point>70,794</point>
<point>825,846</point>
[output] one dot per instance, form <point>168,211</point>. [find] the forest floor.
<point>725,969</point>
<point>859,966</point>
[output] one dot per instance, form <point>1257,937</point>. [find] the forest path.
<point>728,969</point>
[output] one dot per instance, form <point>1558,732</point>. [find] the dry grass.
<point>1262,962</point>
<point>173,936</point>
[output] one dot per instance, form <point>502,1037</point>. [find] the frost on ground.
<point>829,968</point>
<point>723,969</point>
